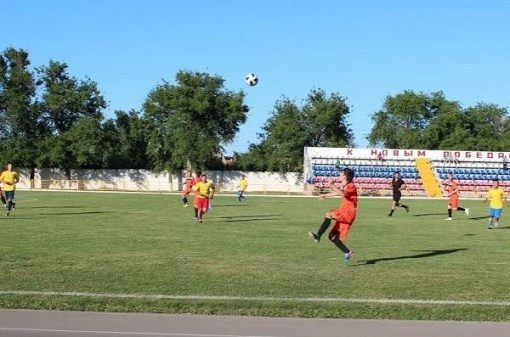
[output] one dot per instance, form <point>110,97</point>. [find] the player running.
<point>497,196</point>
<point>187,186</point>
<point>344,215</point>
<point>453,197</point>
<point>241,187</point>
<point>397,185</point>
<point>204,193</point>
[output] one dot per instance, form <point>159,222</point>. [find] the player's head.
<point>203,176</point>
<point>495,183</point>
<point>396,175</point>
<point>188,173</point>
<point>9,166</point>
<point>348,174</point>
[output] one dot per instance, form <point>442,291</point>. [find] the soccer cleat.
<point>348,256</point>
<point>186,205</point>
<point>466,211</point>
<point>448,219</point>
<point>314,236</point>
<point>496,224</point>
<point>407,209</point>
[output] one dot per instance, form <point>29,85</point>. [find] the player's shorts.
<point>344,220</point>
<point>202,203</point>
<point>340,229</point>
<point>453,202</point>
<point>495,212</point>
<point>344,215</point>
<point>397,196</point>
<point>9,195</point>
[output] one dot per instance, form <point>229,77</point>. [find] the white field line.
<point>121,333</point>
<point>256,298</point>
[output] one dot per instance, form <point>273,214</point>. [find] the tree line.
<point>49,118</point>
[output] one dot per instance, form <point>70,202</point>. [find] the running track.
<point>25,323</point>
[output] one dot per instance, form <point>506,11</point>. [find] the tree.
<point>20,117</point>
<point>72,110</point>
<point>487,124</point>
<point>321,121</point>
<point>404,118</point>
<point>188,122</point>
<point>126,137</point>
<point>325,120</point>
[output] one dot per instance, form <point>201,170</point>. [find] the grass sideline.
<point>253,258</point>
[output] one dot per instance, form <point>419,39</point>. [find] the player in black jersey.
<point>397,185</point>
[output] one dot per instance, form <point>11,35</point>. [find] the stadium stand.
<point>424,171</point>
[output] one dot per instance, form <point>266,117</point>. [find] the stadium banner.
<point>405,154</point>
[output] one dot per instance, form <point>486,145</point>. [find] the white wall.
<point>143,180</point>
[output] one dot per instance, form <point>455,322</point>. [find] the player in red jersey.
<point>344,215</point>
<point>197,180</point>
<point>187,186</point>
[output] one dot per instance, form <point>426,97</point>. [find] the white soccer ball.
<point>251,79</point>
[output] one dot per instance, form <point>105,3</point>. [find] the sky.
<point>364,50</point>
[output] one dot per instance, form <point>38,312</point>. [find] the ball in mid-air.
<point>251,79</point>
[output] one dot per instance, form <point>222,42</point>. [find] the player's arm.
<point>212,189</point>
<point>335,192</point>
<point>404,187</point>
<point>487,197</point>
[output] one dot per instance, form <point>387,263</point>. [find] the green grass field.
<point>89,251</point>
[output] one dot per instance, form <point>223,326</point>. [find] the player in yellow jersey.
<point>9,178</point>
<point>497,196</point>
<point>243,184</point>
<point>204,193</point>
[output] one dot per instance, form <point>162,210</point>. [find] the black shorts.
<point>397,196</point>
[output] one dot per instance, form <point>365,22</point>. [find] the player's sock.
<point>339,244</point>
<point>391,212</point>
<point>185,200</point>
<point>449,212</point>
<point>461,209</point>
<point>196,212</point>
<point>490,223</point>
<point>324,226</point>
<point>3,200</point>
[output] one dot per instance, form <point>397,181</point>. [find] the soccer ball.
<point>251,80</point>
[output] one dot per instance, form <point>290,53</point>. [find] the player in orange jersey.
<point>453,197</point>
<point>344,215</point>
<point>187,186</point>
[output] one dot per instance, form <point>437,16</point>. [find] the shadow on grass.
<point>252,219</point>
<point>431,253</point>
<point>427,214</point>
<point>479,217</point>
<point>58,207</point>
<point>245,216</point>
<point>74,213</point>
